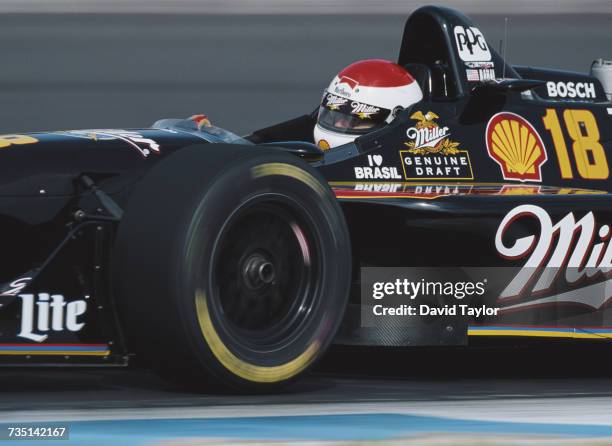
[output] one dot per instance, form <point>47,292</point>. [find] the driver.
<point>363,97</point>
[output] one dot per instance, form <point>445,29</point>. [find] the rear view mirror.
<point>505,86</point>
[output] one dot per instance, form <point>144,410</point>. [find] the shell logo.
<point>323,144</point>
<point>516,146</point>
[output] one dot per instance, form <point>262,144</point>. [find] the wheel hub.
<point>258,271</point>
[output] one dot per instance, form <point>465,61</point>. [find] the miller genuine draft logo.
<point>431,154</point>
<point>516,146</point>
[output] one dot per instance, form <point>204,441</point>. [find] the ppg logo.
<point>471,44</point>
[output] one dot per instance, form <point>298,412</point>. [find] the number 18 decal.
<point>589,154</point>
<point>8,140</point>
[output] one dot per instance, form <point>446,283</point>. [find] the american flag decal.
<point>472,75</point>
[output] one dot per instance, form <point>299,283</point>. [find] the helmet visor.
<point>342,115</point>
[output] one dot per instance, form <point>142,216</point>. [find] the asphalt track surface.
<point>450,396</point>
<point>101,71</point>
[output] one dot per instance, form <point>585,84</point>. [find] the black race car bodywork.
<point>497,166</point>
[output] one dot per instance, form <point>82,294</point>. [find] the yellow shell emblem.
<point>516,146</point>
<point>323,144</point>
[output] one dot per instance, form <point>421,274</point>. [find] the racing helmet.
<point>363,97</point>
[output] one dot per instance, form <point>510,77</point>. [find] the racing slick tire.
<point>231,266</point>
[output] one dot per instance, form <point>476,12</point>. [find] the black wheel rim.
<point>265,272</point>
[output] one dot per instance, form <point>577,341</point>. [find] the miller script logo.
<point>145,146</point>
<point>363,111</point>
<point>572,250</point>
<point>15,287</point>
<point>334,102</point>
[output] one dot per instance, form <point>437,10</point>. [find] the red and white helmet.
<point>363,97</point>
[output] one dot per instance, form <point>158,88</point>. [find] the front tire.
<point>232,266</point>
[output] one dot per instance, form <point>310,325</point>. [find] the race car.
<point>221,259</point>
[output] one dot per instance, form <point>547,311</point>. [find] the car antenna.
<point>505,47</point>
